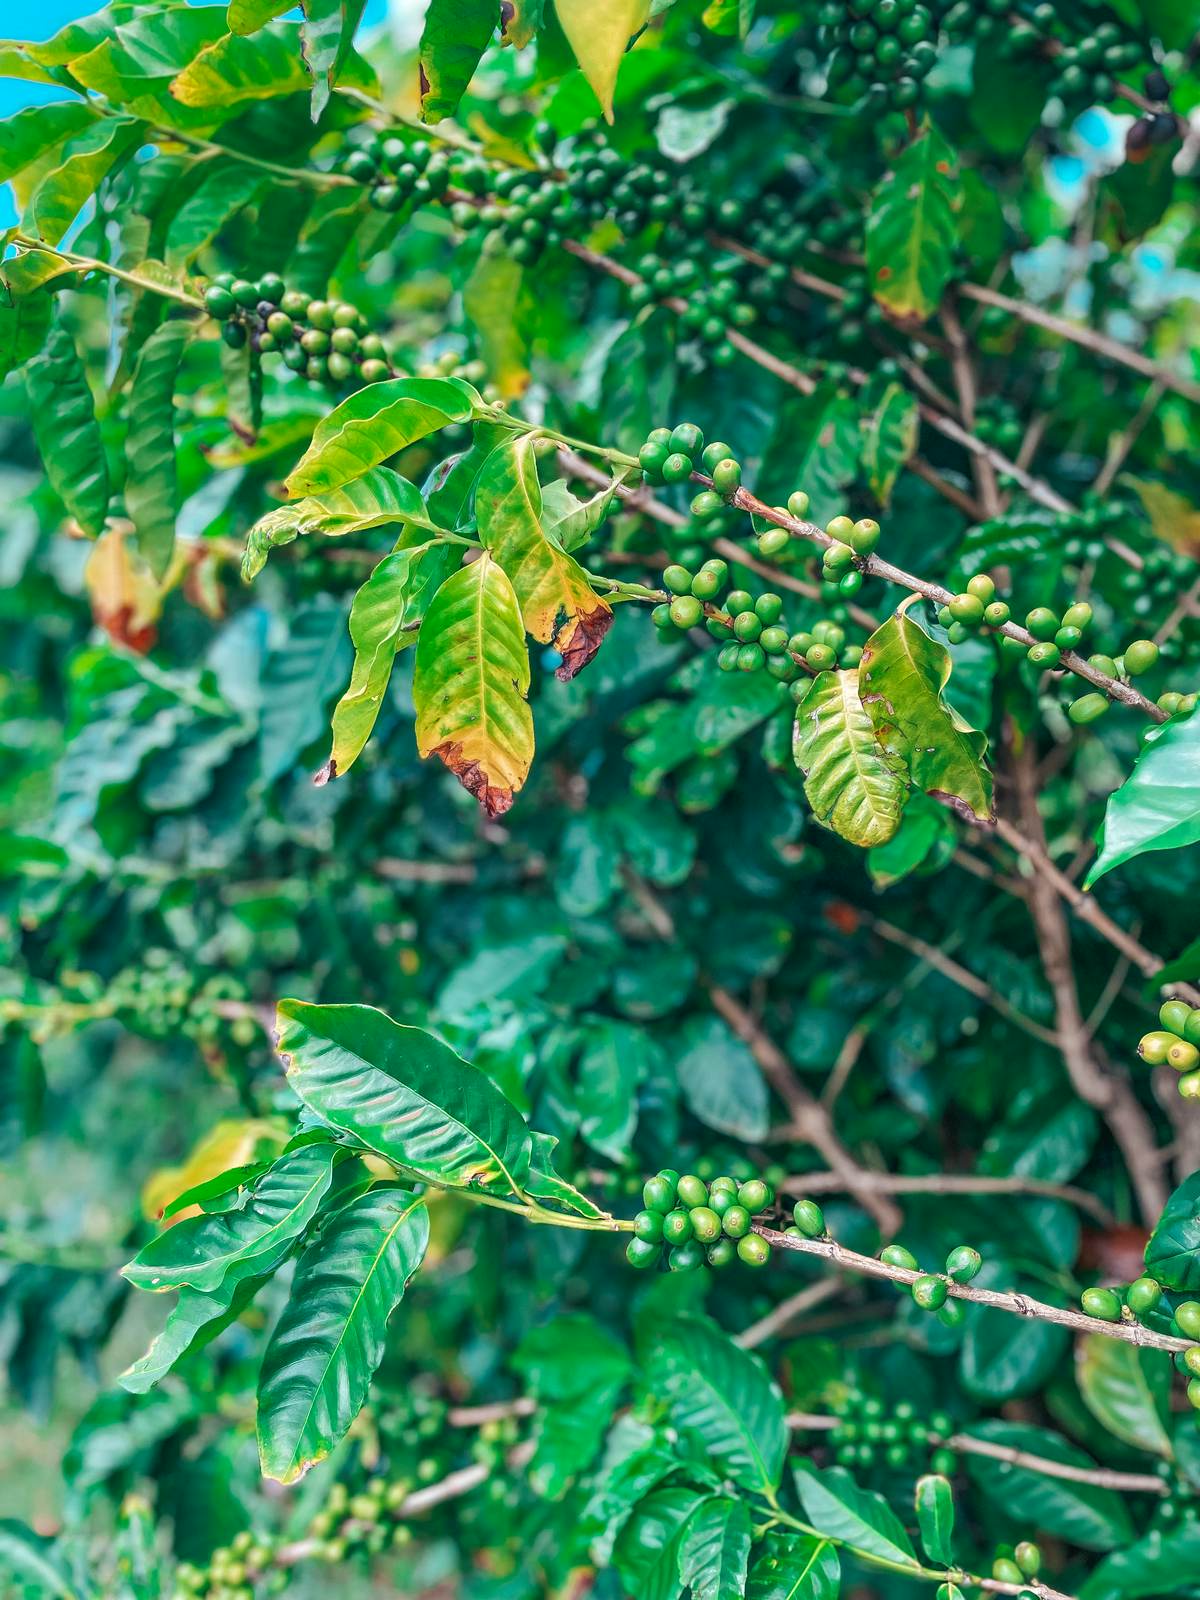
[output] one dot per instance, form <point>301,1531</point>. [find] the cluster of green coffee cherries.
<point>870,1435</point>
<point>163,997</point>
<point>327,341</point>
<point>931,1291</point>
<point>882,51</point>
<point>1179,1504</point>
<point>1143,1300</point>
<point>696,1222</point>
<point>852,543</point>
<point>711,308</point>
<point>1176,1043</point>
<point>398,170</point>
<point>1020,1564</point>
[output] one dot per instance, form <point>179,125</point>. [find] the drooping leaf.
<point>1158,805</point>
<point>330,1339</point>
<point>150,489</point>
<point>455,35</point>
<point>853,783</point>
<point>196,1319</point>
<point>375,423</point>
<point>558,604</point>
<point>24,323</point>
<point>33,132</point>
<point>721,1393</point>
<point>935,1517</point>
<point>1127,1390</point>
<point>835,1505</point>
<point>1173,1250</point>
<point>381,619</point>
<point>470,682</point>
<point>328,33</point>
<point>901,678</point>
<point>1083,1513</point>
<point>206,1252</point>
<point>125,596</point>
<point>599,38</point>
<point>714,1552</point>
<point>404,1094</point>
<point>64,424</point>
<point>890,430</point>
<point>912,230</point>
<point>87,157</point>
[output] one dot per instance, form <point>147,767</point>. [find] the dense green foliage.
<point>587,598</point>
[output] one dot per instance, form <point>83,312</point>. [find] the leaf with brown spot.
<point>455,35</point>
<point>470,683</point>
<point>558,604</point>
<point>126,597</point>
<point>912,228</point>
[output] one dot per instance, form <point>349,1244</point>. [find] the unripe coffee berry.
<point>727,476</point>
<point>1102,1303</point>
<point>1142,1295</point>
<point>735,1221</point>
<point>895,1255</point>
<point>809,1218</point>
<point>963,1263</point>
<point>686,611</point>
<point>798,504</point>
<point>1140,656</point>
<point>755,1195</point>
<point>754,1250</point>
<point>641,1253</point>
<point>1187,1318</point>
<point>692,1191</point>
<point>1029,1558</point>
<point>929,1293</point>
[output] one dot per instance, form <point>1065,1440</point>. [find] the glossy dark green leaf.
<point>24,323</point>
<point>925,839</point>
<point>901,681</point>
<point>723,1394</point>
<point>1158,805</point>
<point>1126,1389</point>
<point>206,1252</point>
<point>330,1339</point>
<point>543,1181</point>
<point>64,424</point>
<point>935,1518</point>
<point>404,1094</point>
<point>646,1556</point>
<point>714,1551</point>
<point>998,1361</point>
<point>1082,1513</point>
<point>613,1061</point>
<point>795,1567</point>
<point>1164,1561</point>
<point>224,189</point>
<point>835,1505</point>
<point>194,1320</point>
<point>890,429</point>
<point>150,489</point>
<point>1173,1249</point>
<point>375,423</point>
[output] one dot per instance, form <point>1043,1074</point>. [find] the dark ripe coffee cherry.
<point>963,1263</point>
<point>641,1253</point>
<point>721,1253</point>
<point>706,1224</point>
<point>687,439</point>
<point>809,1218</point>
<point>658,1193</point>
<point>1140,656</point>
<point>245,293</point>
<point>677,1226</point>
<point>1102,1303</point>
<point>677,468</point>
<point>895,1255</point>
<point>1156,86</point>
<point>753,1250</point>
<point>755,1195</point>
<point>692,1191</point>
<point>685,1257</point>
<point>1187,1318</point>
<point>929,1293</point>
<point>219,303</point>
<point>735,1221</point>
<point>648,1225</point>
<point>1142,1295</point>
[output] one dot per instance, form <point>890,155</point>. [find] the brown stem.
<point>944,1183</point>
<point>785,1313</point>
<point>963,370</point>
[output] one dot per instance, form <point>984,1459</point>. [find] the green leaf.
<point>375,423</point>
<point>234,69</point>
<point>816,441</point>
<point>64,424</point>
<point>35,131</point>
<point>223,191</point>
<point>721,1393</point>
<point>24,323</point>
<point>33,1561</point>
<point>470,683</point>
<point>195,1320</point>
<point>1128,1390</point>
<point>901,678</point>
<point>1163,1562</point>
<point>392,598</point>
<point>299,675</point>
<point>925,838</point>
<point>375,500</point>
<point>935,1517</point>
<point>1001,1357</point>
<point>248,16</point>
<point>1173,1249</point>
<point>569,521</point>
<point>558,604</point>
<point>206,1252</point>
<point>796,1567</point>
<point>151,495</point>
<point>646,1556</point>
<point>615,1058</point>
<point>599,36</point>
<point>87,158</point>
<point>714,1551</point>
<point>496,300</point>
<point>890,430</point>
<point>455,35</point>
<point>912,228</point>
<point>862,1519</point>
<point>1158,805</point>
<point>328,34</point>
<point>721,1082</point>
<point>331,1337</point>
<point>852,783</point>
<point>404,1094</point>
<point>577,1372</point>
<point>544,1183</point>
<point>1082,1513</point>
<point>728,17</point>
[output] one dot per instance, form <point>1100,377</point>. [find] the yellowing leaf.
<point>599,36</point>
<point>126,597</point>
<point>1173,517</point>
<point>853,786</point>
<point>232,1143</point>
<point>470,683</point>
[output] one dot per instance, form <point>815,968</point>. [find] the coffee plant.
<point>600,987</point>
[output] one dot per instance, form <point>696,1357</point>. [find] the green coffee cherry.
<point>1102,1303</point>
<point>1140,656</point>
<point>755,1195</point>
<point>863,536</point>
<point>1174,1014</point>
<point>658,1192</point>
<point>1183,1056</point>
<point>809,1218</point>
<point>1187,1318</point>
<point>677,1226</point>
<point>687,440</point>
<point>963,1263</point>
<point>1006,1571</point>
<point>735,1221</point>
<point>798,504</point>
<point>648,1225</point>
<point>1045,654</point>
<point>1088,708</point>
<point>753,1250</point>
<point>706,1224</point>
<point>1029,1558</point>
<point>929,1293</point>
<point>1153,1047</point>
<point>1041,622</point>
<point>1142,1295</point>
<point>895,1255</point>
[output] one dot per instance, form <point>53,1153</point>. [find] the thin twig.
<point>944,1183</point>
<point>787,1311</point>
